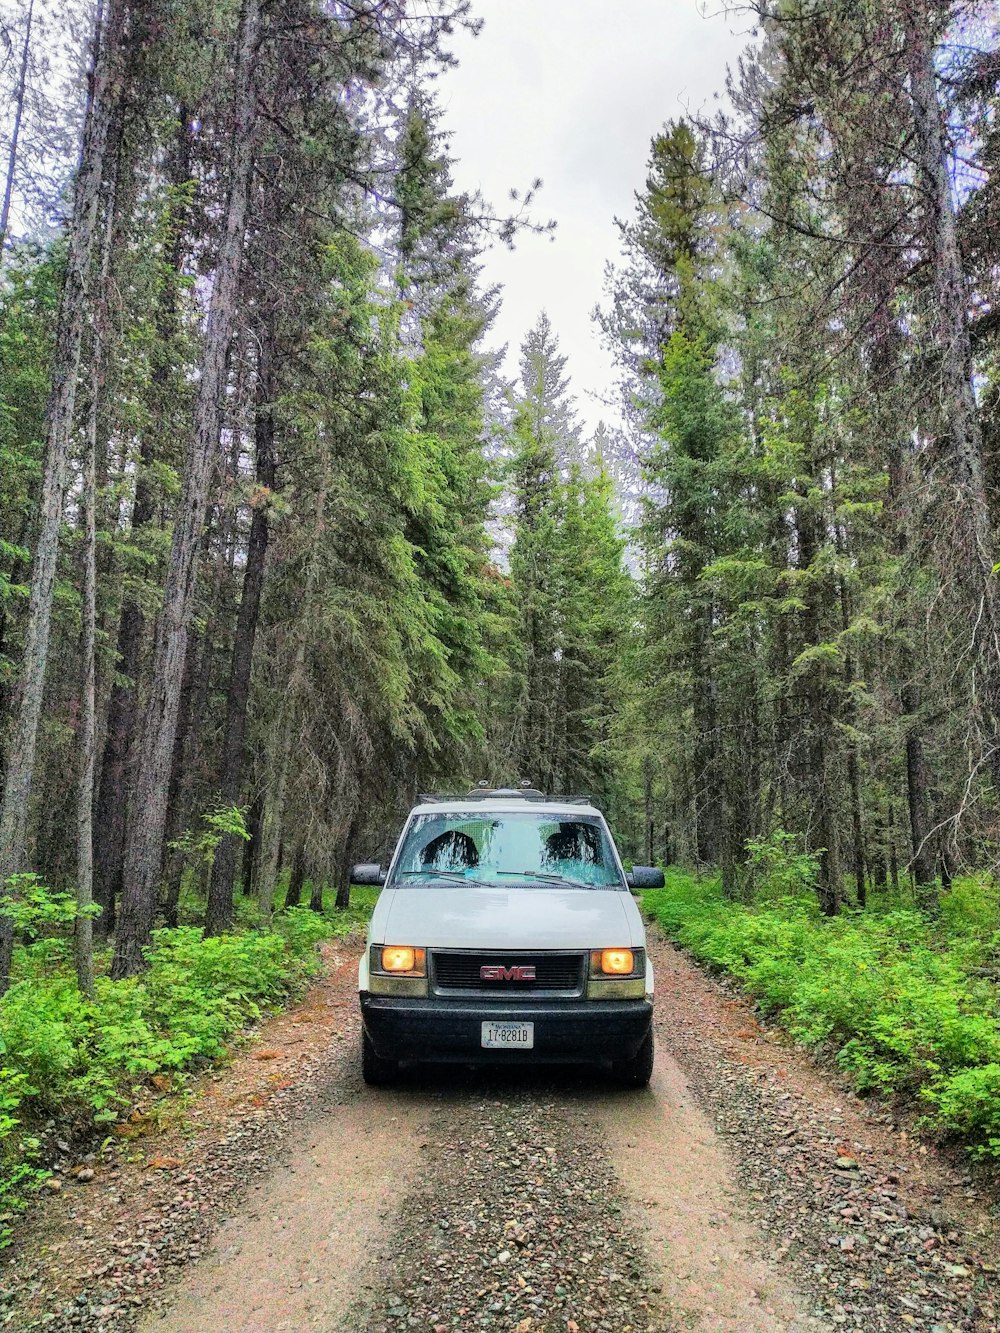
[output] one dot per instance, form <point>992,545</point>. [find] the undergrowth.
<point>905,1003</point>
<point>84,1063</point>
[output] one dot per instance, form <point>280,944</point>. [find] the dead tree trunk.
<point>219,915</point>
<point>144,848</point>
<point>106,81</point>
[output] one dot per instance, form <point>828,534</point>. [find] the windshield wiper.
<point>549,877</point>
<point>454,875</point>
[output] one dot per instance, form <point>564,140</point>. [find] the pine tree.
<point>75,303</point>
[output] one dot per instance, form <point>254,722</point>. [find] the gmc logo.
<point>497,972</point>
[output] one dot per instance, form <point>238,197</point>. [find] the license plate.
<point>508,1036</point>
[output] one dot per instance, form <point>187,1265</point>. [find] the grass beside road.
<point>903,1003</point>
<point>81,1065</point>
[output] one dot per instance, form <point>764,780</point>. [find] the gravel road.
<point>743,1192</point>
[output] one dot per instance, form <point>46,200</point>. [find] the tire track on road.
<point>310,1236</point>
<point>518,1223</point>
<point>711,1260</point>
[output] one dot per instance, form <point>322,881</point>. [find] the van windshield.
<point>523,847</point>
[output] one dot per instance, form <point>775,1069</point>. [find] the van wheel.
<point>636,1073</point>
<point>375,1070</point>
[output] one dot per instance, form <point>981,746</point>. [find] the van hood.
<point>461,917</point>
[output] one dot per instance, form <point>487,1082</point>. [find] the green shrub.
<point>780,868</point>
<point>86,1060</point>
<point>892,995</point>
<point>968,1104</point>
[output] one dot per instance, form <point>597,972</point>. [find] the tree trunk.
<point>879,859</point>
<point>706,745</point>
<point>829,871</point>
<point>918,800</point>
<point>173,861</point>
<point>113,789</point>
<point>219,914</point>
<point>820,709</point>
<point>853,767</point>
<point>106,80</point>
<point>893,854</point>
<point>144,850</point>
<point>112,793</point>
<point>84,926</point>
<point>647,793</point>
<point>857,828</point>
<point>970,539</point>
<point>269,862</point>
<point>15,133</point>
<point>293,894</point>
<point>251,848</point>
<point>946,868</point>
<point>344,861</point>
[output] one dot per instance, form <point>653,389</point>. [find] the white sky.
<point>573,91</point>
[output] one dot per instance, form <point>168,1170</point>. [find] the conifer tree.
<point>108,65</point>
<point>565,547</point>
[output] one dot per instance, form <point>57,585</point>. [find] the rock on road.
<point>743,1192</point>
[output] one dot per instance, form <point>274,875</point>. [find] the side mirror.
<point>367,873</point>
<point>645,877</point>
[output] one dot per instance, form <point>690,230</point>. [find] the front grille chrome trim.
<point>560,973</point>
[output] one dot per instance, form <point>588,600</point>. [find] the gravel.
<point>519,1226</point>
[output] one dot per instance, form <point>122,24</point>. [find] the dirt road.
<point>741,1193</point>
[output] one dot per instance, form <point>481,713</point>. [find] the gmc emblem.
<point>497,972</point>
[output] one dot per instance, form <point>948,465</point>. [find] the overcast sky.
<point>573,91</point>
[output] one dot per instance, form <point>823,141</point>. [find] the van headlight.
<point>617,974</point>
<point>397,969</point>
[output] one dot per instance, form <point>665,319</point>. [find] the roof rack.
<point>525,793</point>
<point>501,793</point>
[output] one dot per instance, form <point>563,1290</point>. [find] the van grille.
<point>459,971</point>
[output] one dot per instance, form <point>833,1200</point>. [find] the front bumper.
<point>566,1031</point>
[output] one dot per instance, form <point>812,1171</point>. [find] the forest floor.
<point>744,1192</point>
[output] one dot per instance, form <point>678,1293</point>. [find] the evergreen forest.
<point>284,542</point>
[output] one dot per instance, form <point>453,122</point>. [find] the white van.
<point>506,932</point>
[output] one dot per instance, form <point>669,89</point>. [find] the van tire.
<point>375,1070</point>
<point>636,1072</point>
